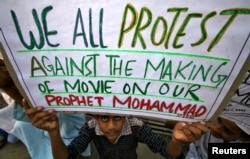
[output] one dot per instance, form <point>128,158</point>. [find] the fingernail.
<point>203,122</point>
<point>39,108</point>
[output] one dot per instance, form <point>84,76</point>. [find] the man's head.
<point>111,126</point>
<point>227,130</point>
<point>234,121</point>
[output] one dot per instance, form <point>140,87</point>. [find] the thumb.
<point>180,125</point>
<point>25,104</point>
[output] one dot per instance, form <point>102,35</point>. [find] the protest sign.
<point>165,59</point>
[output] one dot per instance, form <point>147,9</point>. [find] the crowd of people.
<point>68,135</point>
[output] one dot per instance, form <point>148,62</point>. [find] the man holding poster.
<point>230,129</point>
<point>115,137</point>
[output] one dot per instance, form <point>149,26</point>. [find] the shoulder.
<point>88,128</point>
<point>92,123</point>
<point>135,122</point>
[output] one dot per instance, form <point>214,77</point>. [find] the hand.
<point>46,120</point>
<point>189,132</point>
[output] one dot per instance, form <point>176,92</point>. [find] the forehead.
<point>109,116</point>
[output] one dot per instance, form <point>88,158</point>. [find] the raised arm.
<point>185,133</point>
<point>47,120</point>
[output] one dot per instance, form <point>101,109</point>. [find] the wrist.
<point>54,132</point>
<point>176,141</point>
<point>175,148</point>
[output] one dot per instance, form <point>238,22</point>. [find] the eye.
<point>104,118</point>
<point>117,118</point>
<point>228,131</point>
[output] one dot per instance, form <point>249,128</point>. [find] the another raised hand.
<point>40,118</point>
<point>185,133</point>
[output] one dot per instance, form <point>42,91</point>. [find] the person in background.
<point>7,122</point>
<point>6,119</point>
<point>37,141</point>
<point>232,126</point>
<point>222,130</point>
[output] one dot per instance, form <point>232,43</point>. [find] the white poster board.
<point>164,59</point>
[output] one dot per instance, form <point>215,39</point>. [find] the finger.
<point>31,112</point>
<point>180,125</point>
<point>25,104</point>
<point>196,130</point>
<point>187,131</point>
<point>210,125</point>
<point>184,126</point>
<point>202,126</point>
<point>189,135</point>
<point>41,116</point>
<point>44,121</point>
